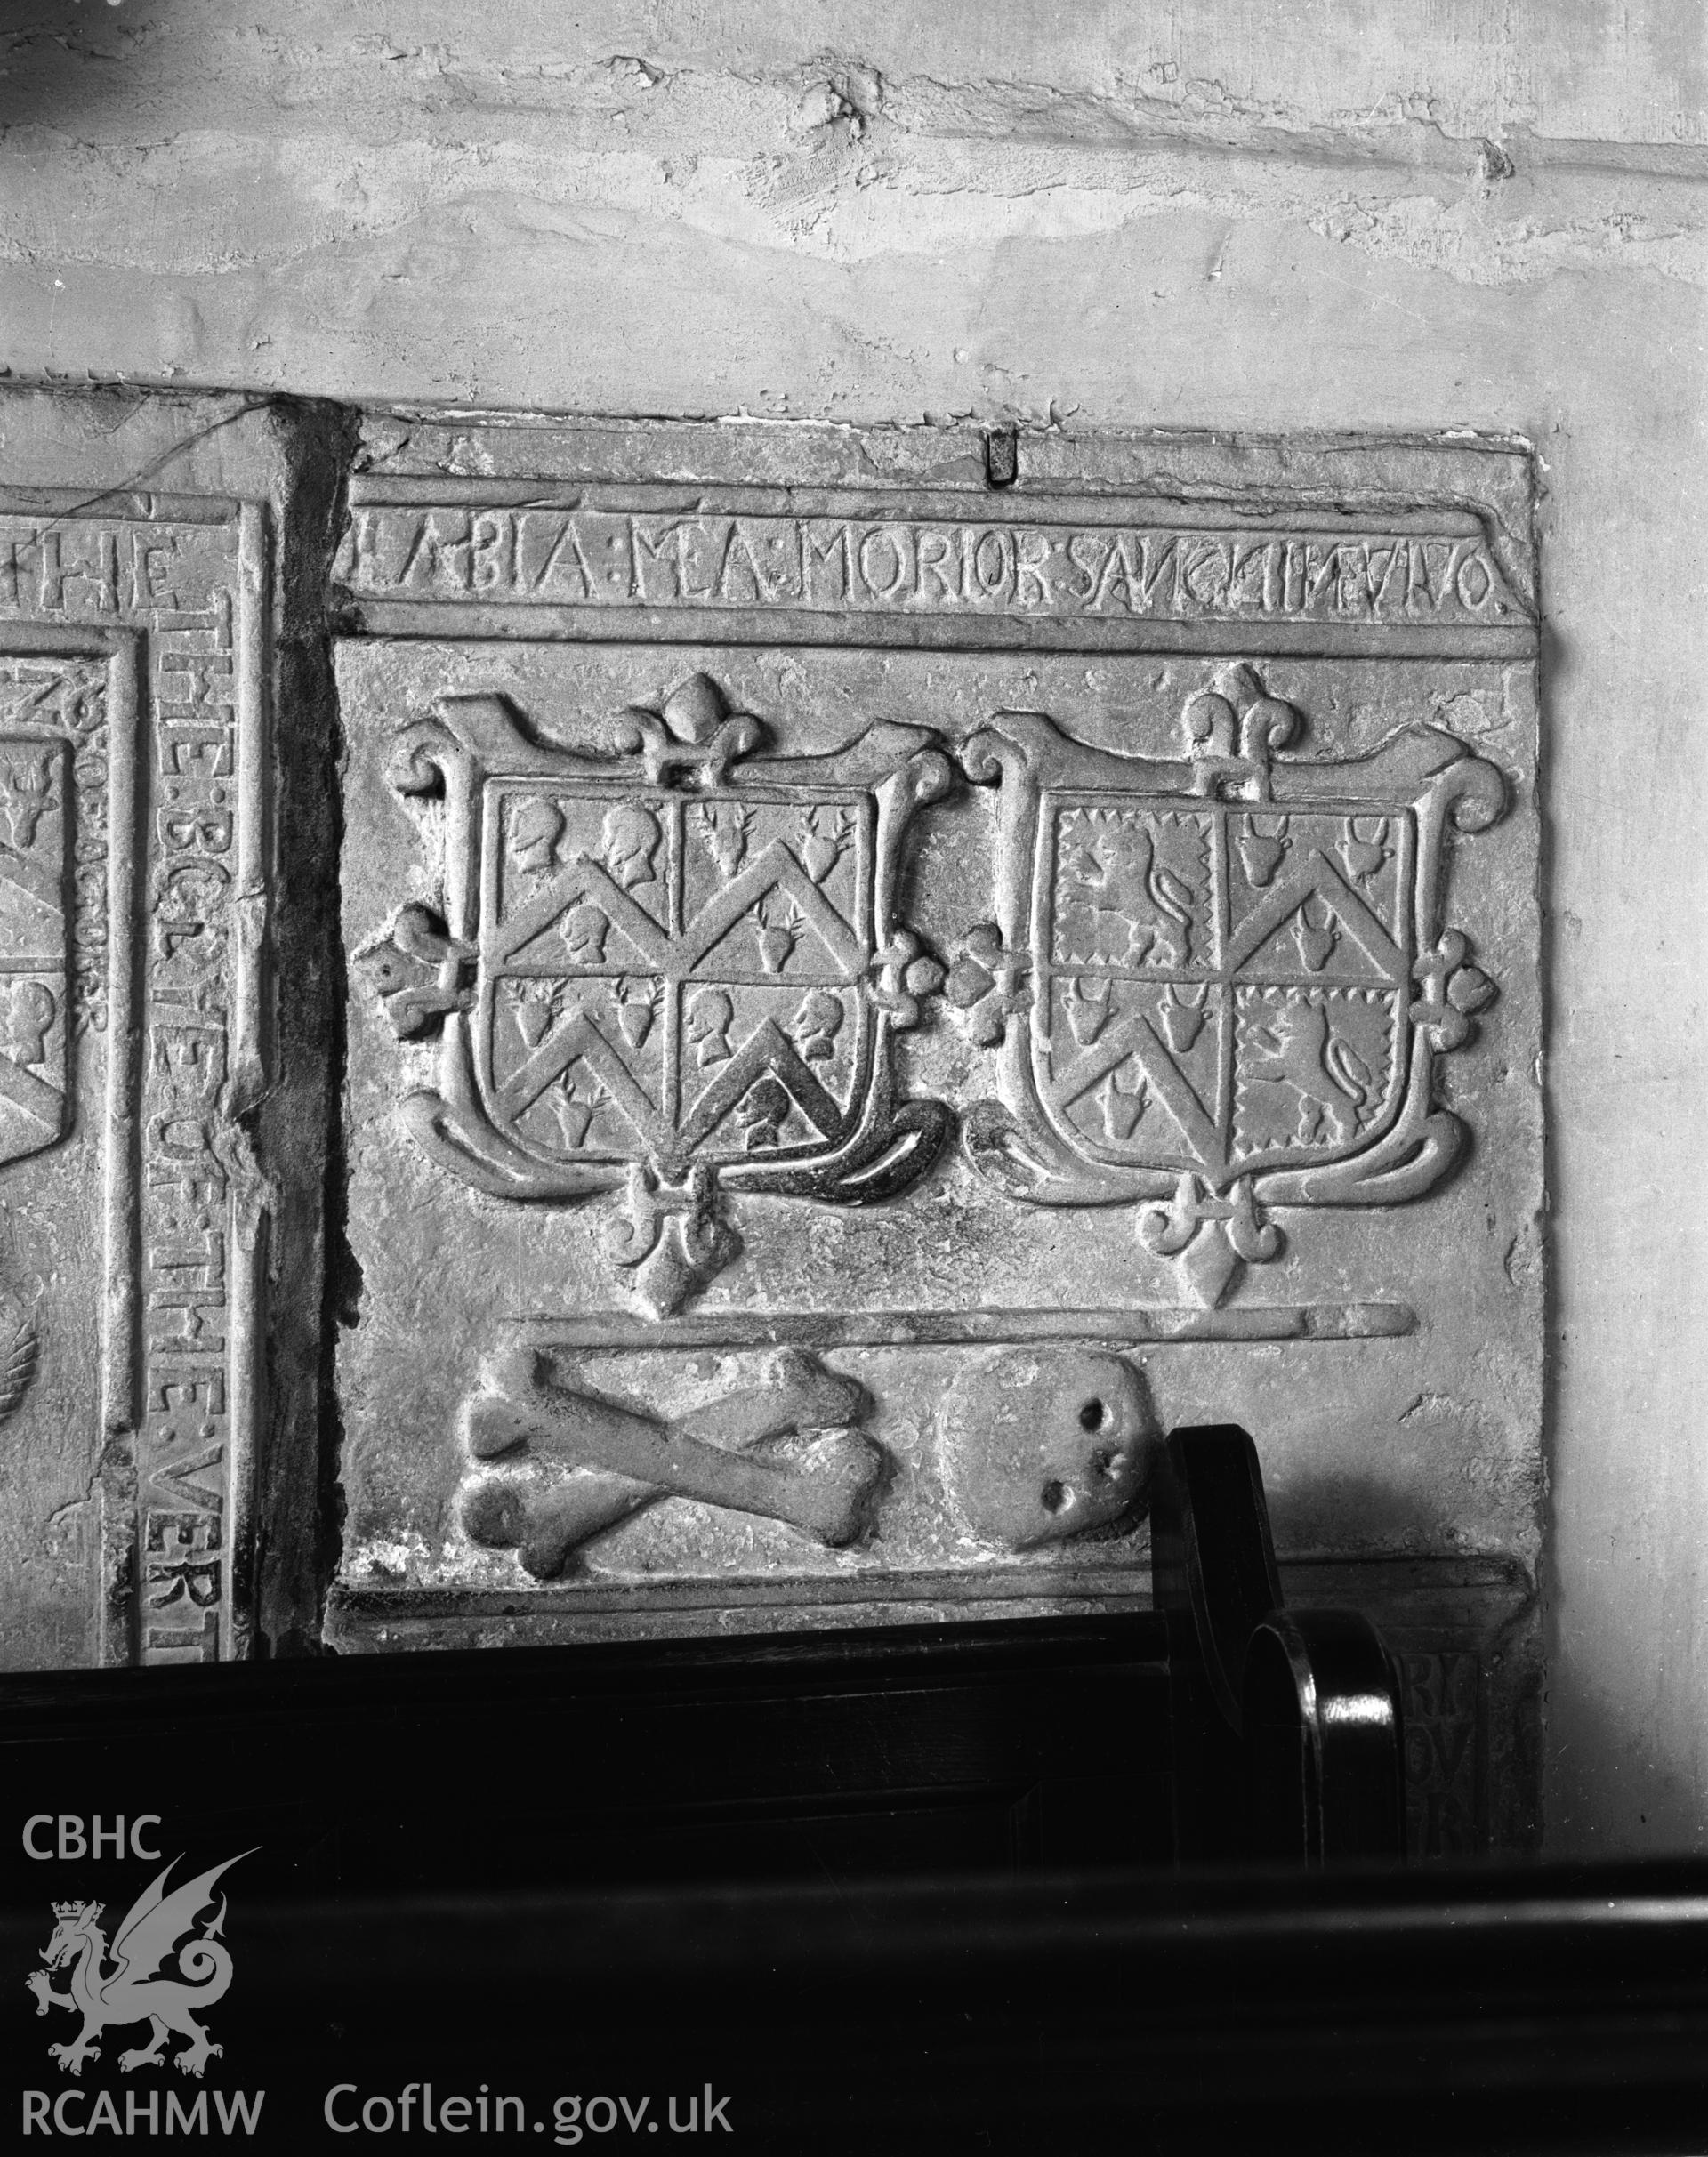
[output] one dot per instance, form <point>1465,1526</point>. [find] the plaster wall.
<point>1260,217</point>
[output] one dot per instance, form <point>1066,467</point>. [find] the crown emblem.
<point>77,1910</point>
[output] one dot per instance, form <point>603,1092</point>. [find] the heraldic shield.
<point>674,969</point>
<point>1217,985</point>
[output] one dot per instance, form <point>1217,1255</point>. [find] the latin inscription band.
<point>1039,571</point>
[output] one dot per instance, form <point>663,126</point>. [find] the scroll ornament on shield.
<point>1217,988</point>
<point>671,971</point>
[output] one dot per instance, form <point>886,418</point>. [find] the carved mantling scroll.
<point>1218,986</point>
<point>672,970</point>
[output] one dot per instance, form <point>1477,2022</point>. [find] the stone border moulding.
<point>171,572</point>
<point>475,541</point>
<point>769,534</point>
<point>161,562</point>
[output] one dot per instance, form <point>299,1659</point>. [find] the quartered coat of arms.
<point>1217,985</point>
<point>672,971</point>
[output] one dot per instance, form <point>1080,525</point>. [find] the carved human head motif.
<point>632,840</point>
<point>761,1113</point>
<point>584,930</point>
<point>534,831</point>
<point>29,1013</point>
<point>711,1014</point>
<point>817,1025</point>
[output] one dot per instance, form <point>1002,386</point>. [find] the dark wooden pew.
<point>927,1888</point>
<point>1204,1728</point>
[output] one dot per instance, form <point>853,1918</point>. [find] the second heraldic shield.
<point>1217,985</point>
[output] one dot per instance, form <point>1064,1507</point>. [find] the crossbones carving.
<point>567,1466</point>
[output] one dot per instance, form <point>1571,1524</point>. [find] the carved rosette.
<point>1217,986</point>
<point>672,971</point>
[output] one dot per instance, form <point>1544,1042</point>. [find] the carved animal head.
<point>24,799</point>
<point>724,825</point>
<point>536,1004</point>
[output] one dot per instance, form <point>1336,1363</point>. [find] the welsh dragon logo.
<point>132,1989</point>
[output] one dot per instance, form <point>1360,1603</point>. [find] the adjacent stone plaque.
<point>141,549</point>
<point>875,984</point>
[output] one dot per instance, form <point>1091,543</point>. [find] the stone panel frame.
<point>174,1506</point>
<point>181,546</point>
<point>474,547</point>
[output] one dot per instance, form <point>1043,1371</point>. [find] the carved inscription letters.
<point>866,1005</point>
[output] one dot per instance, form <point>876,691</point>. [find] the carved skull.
<point>1038,1444</point>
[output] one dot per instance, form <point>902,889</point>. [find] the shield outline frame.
<point>1217,1175</point>
<point>464,740</point>
<point>1012,1142</point>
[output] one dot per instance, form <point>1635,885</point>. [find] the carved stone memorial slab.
<point>886,967</point>
<point>155,1396</point>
